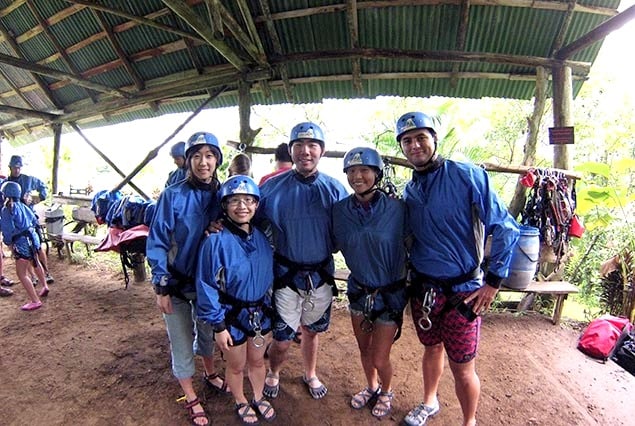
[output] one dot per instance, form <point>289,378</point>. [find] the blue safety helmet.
<point>239,184</point>
<point>363,156</point>
<point>204,138</point>
<point>178,150</point>
<point>414,120</point>
<point>307,130</point>
<point>16,161</point>
<point>11,189</point>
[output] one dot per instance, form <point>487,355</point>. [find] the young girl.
<point>18,224</point>
<point>233,280</point>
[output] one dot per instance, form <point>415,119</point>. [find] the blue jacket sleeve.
<point>208,272</point>
<point>159,238</point>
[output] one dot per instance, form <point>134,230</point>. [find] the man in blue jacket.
<point>452,207</point>
<point>298,204</point>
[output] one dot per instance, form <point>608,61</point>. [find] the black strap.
<point>419,281</point>
<point>294,268</point>
<point>238,305</point>
<point>374,314</point>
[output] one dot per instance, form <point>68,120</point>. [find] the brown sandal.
<point>189,405</point>
<point>210,384</point>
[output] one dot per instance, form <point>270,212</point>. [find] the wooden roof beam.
<point>277,48</point>
<point>23,112</point>
<point>65,58</point>
<point>36,78</point>
<point>597,33</point>
<point>353,35</point>
<point>564,27</point>
<point>436,56</point>
<point>461,36</point>
<point>15,89</point>
<point>137,19</point>
<point>370,4</point>
<point>203,29</point>
<point>60,75</point>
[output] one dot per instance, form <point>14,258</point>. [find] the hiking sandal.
<point>268,408</point>
<point>383,406</point>
<point>210,384</point>
<point>244,412</point>
<point>364,397</point>
<point>189,405</point>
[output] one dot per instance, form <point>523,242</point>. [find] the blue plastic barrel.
<point>524,259</point>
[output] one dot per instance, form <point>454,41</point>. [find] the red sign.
<point>561,136</point>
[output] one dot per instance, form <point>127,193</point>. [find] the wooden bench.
<point>83,220</point>
<point>559,289</point>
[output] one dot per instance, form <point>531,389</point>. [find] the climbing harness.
<point>424,322</point>
<point>254,322</point>
<point>550,207</point>
<point>307,304</point>
<point>386,185</point>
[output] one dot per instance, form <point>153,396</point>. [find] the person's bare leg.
<point>21,268</point>
<point>364,341</point>
<point>210,370</point>
<point>256,369</point>
<point>468,389</point>
<point>432,367</point>
<point>382,340</point>
<point>190,395</point>
<point>309,349</point>
<point>277,355</point>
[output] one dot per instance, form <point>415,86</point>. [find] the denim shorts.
<point>187,337</point>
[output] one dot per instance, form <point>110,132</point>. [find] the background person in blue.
<point>298,206</point>
<point>452,207</point>
<point>233,279</point>
<point>30,184</point>
<point>17,223</point>
<point>177,152</point>
<point>182,212</point>
<point>370,230</point>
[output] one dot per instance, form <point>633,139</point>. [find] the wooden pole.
<point>153,153</point>
<point>57,141</point>
<point>562,111</point>
<point>106,159</point>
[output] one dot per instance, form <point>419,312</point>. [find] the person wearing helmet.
<point>177,152</point>
<point>283,162</point>
<point>17,223</point>
<point>182,212</point>
<point>452,208</point>
<point>369,229</point>
<point>4,281</point>
<point>29,185</point>
<point>233,281</point>
<point>298,205</point>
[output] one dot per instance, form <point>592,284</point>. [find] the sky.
<point>345,124</point>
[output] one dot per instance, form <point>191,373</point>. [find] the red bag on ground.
<point>600,337</point>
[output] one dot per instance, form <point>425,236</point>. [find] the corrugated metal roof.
<point>162,59</point>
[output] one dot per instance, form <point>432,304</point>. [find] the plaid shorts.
<point>459,336</point>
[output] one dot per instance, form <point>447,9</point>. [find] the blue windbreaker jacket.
<point>451,209</point>
<point>373,241</point>
<point>235,263</point>
<point>182,213</point>
<point>299,210</point>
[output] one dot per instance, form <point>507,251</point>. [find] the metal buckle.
<point>426,307</point>
<point>254,320</point>
<point>307,304</point>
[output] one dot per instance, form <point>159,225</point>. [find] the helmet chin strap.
<point>371,190</point>
<point>239,224</point>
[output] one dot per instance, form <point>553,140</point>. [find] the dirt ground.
<point>97,354</point>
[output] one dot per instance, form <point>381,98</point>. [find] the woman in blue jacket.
<point>369,229</point>
<point>182,212</point>
<point>234,279</point>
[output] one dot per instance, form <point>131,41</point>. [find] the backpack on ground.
<point>624,354</point>
<point>600,337</point>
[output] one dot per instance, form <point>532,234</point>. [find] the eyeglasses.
<point>235,202</point>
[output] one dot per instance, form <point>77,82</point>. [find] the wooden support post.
<point>247,135</point>
<point>57,141</point>
<point>562,111</point>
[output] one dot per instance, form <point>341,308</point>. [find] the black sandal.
<point>211,386</point>
<point>189,406</point>
<point>263,403</point>
<point>245,411</point>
